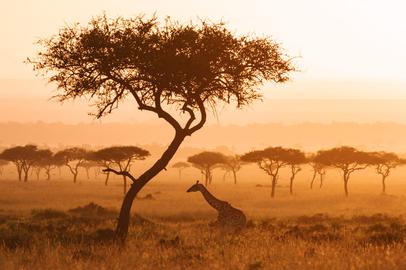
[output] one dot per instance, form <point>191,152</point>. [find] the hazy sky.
<point>348,49</point>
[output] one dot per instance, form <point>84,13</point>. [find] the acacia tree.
<point>347,159</point>
<point>120,157</point>
<point>180,166</point>
<point>175,71</point>
<point>271,160</point>
<point>294,158</point>
<point>384,162</point>
<point>318,169</point>
<point>73,158</point>
<point>206,162</point>
<point>88,164</point>
<point>50,162</point>
<point>43,161</point>
<point>23,157</point>
<point>233,164</point>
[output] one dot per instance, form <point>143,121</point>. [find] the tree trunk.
<point>291,184</point>
<point>346,185</point>
<point>159,165</point>
<point>180,174</point>
<point>273,186</point>
<point>75,176</point>
<point>26,175</point>
<point>207,176</point>
<point>19,171</point>
<point>314,177</point>
<point>125,184</point>
<point>87,173</point>
<point>107,178</point>
<point>38,172</point>
<point>235,177</point>
<point>48,172</point>
<point>210,177</point>
<point>383,184</point>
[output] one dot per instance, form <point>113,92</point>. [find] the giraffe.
<point>228,216</point>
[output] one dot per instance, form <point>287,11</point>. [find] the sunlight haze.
<point>346,40</point>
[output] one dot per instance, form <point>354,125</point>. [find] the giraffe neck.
<point>213,201</point>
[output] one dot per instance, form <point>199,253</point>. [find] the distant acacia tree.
<point>318,169</point>
<point>23,157</point>
<point>175,71</point>
<point>43,161</point>
<point>180,166</point>
<point>2,164</point>
<point>233,164</point>
<point>51,163</point>
<point>120,157</point>
<point>294,159</point>
<point>73,158</point>
<point>271,160</point>
<point>384,162</point>
<point>206,162</point>
<point>88,164</point>
<point>347,159</point>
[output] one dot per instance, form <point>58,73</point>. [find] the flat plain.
<point>60,225</point>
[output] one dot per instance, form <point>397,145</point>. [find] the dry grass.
<point>39,231</point>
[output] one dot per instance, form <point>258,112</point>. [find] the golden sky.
<point>349,49</point>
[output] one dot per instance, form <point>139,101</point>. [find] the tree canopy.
<point>121,157</point>
<point>206,161</point>
<point>271,160</point>
<point>180,165</point>
<point>294,158</point>
<point>232,163</point>
<point>384,162</point>
<point>73,158</point>
<point>346,158</point>
<point>318,169</point>
<point>118,154</point>
<point>23,157</point>
<point>184,65</point>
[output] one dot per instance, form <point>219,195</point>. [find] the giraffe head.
<point>195,187</point>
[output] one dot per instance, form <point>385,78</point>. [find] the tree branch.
<point>203,116</point>
<point>124,173</point>
<point>192,116</point>
<point>142,106</point>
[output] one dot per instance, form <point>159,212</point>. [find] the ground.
<point>61,225</point>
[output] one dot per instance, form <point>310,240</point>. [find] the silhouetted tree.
<point>43,161</point>
<point>294,158</point>
<point>384,162</point>
<point>345,158</point>
<point>206,162</point>
<point>121,157</point>
<point>52,163</point>
<point>175,71</point>
<point>73,158</point>
<point>88,164</point>
<point>2,164</point>
<point>232,164</point>
<point>271,160</point>
<point>318,169</point>
<point>23,157</point>
<point>225,168</point>
<point>180,166</point>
